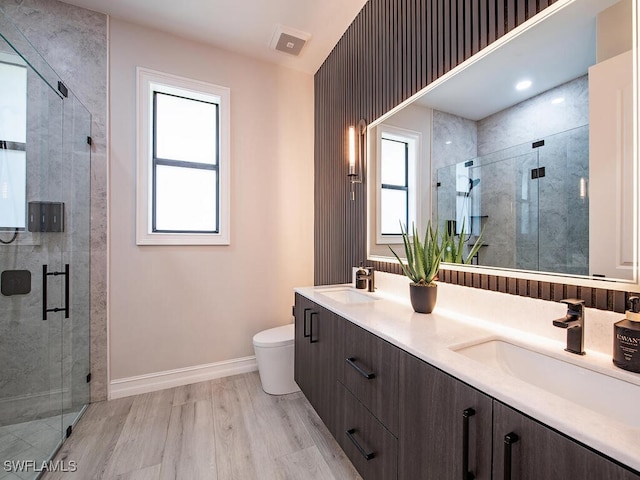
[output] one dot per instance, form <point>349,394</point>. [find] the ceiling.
<point>242,26</point>
<point>550,53</point>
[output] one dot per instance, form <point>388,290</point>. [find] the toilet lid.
<point>275,337</point>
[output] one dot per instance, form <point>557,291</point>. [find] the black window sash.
<point>184,164</point>
<point>405,187</point>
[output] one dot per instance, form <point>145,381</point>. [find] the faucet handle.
<point>633,303</point>
<point>575,307</point>
<point>573,302</point>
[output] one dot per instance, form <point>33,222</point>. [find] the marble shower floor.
<point>36,440</point>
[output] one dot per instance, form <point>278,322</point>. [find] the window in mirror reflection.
<point>13,133</point>
<point>397,182</point>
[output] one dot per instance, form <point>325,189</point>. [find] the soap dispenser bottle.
<point>626,338</point>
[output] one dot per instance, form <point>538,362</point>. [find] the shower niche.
<point>45,157</point>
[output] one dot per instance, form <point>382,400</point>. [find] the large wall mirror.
<point>530,142</point>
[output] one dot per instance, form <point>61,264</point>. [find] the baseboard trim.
<point>151,382</point>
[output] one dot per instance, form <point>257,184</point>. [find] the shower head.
<point>473,183</point>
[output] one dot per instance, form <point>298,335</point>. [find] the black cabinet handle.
<point>509,439</point>
<point>352,361</point>
<point>304,323</point>
<point>466,414</point>
<point>311,340</point>
<point>363,452</point>
<point>45,275</point>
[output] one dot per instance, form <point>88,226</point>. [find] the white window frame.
<point>414,141</point>
<point>148,82</point>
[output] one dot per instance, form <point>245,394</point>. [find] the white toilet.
<point>274,354</point>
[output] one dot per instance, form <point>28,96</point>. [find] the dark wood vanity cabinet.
<point>317,352</point>
<point>370,446</point>
<point>369,394</point>
<point>445,425</point>
<point>370,371</point>
<point>525,449</point>
<point>396,416</point>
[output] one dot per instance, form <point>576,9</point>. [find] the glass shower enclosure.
<point>45,154</point>
<point>530,201</point>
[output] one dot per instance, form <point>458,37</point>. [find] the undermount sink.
<point>347,295</point>
<point>593,390</point>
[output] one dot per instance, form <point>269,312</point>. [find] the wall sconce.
<point>357,153</point>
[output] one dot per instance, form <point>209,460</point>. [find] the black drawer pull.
<point>509,439</point>
<point>352,361</point>
<point>365,454</point>
<point>304,323</point>
<point>466,414</point>
<point>311,340</point>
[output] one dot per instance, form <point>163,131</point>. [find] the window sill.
<point>182,239</point>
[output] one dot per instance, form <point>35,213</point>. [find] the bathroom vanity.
<point>411,396</point>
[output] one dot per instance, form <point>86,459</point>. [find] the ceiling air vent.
<point>289,40</point>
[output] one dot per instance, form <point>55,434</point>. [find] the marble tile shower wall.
<point>525,218</point>
<point>563,222</point>
<point>74,42</point>
<point>549,222</point>
<point>454,140</point>
<point>536,118</point>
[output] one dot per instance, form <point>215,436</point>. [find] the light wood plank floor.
<point>225,429</point>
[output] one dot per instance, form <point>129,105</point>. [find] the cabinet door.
<point>445,425</point>
<point>372,449</point>
<point>611,167</point>
<point>370,370</point>
<point>526,449</point>
<point>317,347</point>
<point>325,338</point>
<point>302,371</point>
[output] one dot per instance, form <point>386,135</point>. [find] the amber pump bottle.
<point>626,338</point>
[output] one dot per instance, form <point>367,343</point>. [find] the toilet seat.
<point>275,337</point>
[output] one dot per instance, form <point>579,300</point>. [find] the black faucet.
<point>573,321</point>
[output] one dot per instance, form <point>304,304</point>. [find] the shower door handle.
<point>45,275</point>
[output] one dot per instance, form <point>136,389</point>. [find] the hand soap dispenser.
<point>626,339</point>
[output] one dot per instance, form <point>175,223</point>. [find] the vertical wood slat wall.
<point>393,49</point>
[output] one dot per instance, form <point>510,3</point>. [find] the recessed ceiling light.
<point>448,142</point>
<point>557,100</point>
<point>523,85</point>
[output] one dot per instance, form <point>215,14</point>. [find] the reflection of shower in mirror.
<point>467,205</point>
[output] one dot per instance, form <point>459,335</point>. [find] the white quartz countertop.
<point>465,315</point>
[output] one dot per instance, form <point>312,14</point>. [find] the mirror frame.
<point>617,285</point>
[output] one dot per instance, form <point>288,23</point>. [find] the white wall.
<point>615,30</point>
<point>173,307</point>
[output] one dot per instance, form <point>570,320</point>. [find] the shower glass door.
<point>31,180</point>
<point>530,200</point>
<point>76,196</point>
<point>44,257</point>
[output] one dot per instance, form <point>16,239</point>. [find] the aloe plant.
<point>423,257</point>
<point>453,249</point>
